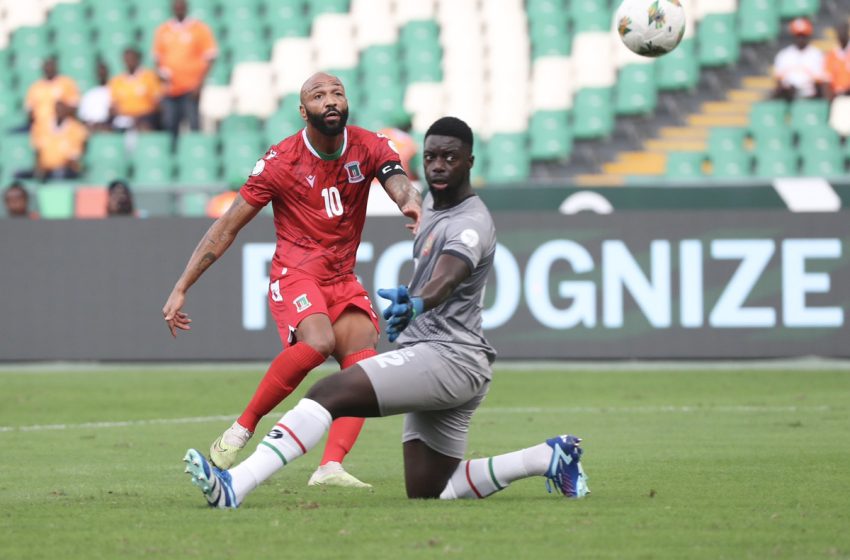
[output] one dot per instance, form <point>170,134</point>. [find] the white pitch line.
<point>742,409</point>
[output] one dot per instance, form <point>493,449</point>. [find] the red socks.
<point>344,431</point>
<point>285,372</point>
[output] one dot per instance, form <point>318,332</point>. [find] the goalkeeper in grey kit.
<point>439,375</point>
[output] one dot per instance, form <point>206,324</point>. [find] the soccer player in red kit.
<point>318,184</point>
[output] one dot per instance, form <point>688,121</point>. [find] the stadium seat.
<point>717,39</point>
<point>819,139</point>
<point>507,159</point>
<point>550,135</point>
<point>284,122</point>
<point>823,164</point>
<point>724,140</point>
<point>679,69</point>
<point>731,165</point>
<point>55,201</point>
<point>771,164</point>
<point>319,7</point>
<point>90,202</point>
<point>16,154</point>
<point>11,115</point>
<point>593,61</point>
<point>153,203</point>
<point>106,158</point>
<point>758,20</point>
<point>684,165</point>
<point>204,10</point>
<point>193,204</point>
<point>238,124</point>
<point>336,29</point>
<point>239,152</point>
<point>794,8</point>
<point>590,16</point>
<point>252,89</point>
<point>768,115</point>
<point>775,140</point>
<point>550,36</point>
<point>292,61</point>
<point>594,113</point>
<point>636,92</point>
<point>809,113</point>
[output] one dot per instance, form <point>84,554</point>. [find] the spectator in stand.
<point>799,68</point>
<point>119,201</point>
<point>94,106</point>
<point>184,49</point>
<point>59,144</point>
<point>135,95</point>
<point>838,62</point>
<point>43,94</point>
<point>17,201</point>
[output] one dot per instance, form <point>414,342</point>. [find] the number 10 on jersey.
<point>333,202</point>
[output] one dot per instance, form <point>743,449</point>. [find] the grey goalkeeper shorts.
<point>437,388</point>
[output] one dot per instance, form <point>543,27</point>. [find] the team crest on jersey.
<point>429,244</point>
<point>258,167</point>
<point>301,303</point>
<point>355,175</point>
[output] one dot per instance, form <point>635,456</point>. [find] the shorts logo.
<point>301,303</point>
<point>354,173</point>
<point>275,290</point>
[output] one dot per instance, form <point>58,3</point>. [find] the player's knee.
<point>322,341</point>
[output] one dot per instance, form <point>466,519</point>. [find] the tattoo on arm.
<point>401,190</point>
<point>206,261</point>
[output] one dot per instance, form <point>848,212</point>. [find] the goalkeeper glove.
<point>401,310</point>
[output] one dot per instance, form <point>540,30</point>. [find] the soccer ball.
<point>651,27</point>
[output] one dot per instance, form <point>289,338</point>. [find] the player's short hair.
<point>451,126</point>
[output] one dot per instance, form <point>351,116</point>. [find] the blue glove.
<point>401,310</point>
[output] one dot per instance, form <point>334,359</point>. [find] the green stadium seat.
<point>153,12</point>
<point>823,164</point>
<point>594,113</point>
<point>724,140</point>
<point>282,27</point>
<point>794,8</point>
<point>678,69</point>
<point>153,145</point>
<point>819,139</point>
<point>72,37</point>
<point>775,140</point>
<point>550,135</point>
<point>219,74</point>
<point>317,7</point>
<point>768,115</point>
<point>193,204</point>
<point>758,20</point>
<point>197,173</point>
<point>590,16</point>
<point>153,203</point>
<point>204,10</point>
<point>239,152</point>
<point>770,164</point>
<point>423,65</point>
<point>196,147</point>
<point>26,39</point>
<point>67,15</point>
<point>545,9</point>
<point>717,40</point>
<point>241,13</point>
<point>731,165</point>
<point>685,165</point>
<point>109,14</point>
<point>809,113</point>
<point>550,36</point>
<point>284,122</point>
<point>387,101</point>
<point>246,43</point>
<point>415,34</point>
<point>117,37</point>
<point>237,124</point>
<point>105,146</point>
<point>379,67</point>
<point>102,172</point>
<point>55,201</point>
<point>152,173</point>
<point>79,63</point>
<point>11,110</point>
<point>16,154</point>
<point>636,92</point>
<point>507,158</point>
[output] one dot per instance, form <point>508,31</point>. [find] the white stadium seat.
<point>551,85</point>
<point>407,10</point>
<point>333,42</point>
<point>593,62</point>
<point>292,64</point>
<point>705,7</point>
<point>374,22</point>
<point>252,89</point>
<point>23,13</point>
<point>839,115</point>
<point>216,103</point>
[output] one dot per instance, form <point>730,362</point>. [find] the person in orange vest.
<point>59,144</point>
<point>135,94</point>
<point>838,62</point>
<point>42,96</point>
<point>184,49</point>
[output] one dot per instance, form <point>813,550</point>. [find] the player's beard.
<point>318,121</point>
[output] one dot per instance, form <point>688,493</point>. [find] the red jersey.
<point>319,201</point>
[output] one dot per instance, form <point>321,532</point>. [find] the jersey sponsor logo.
<point>301,303</point>
<point>355,175</point>
<point>311,179</point>
<point>271,155</point>
<point>469,237</point>
<point>258,167</point>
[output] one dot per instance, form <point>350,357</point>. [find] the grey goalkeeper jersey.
<point>465,231</point>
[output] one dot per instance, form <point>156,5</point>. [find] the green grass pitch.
<point>726,463</point>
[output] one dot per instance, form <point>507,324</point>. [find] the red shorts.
<point>296,295</point>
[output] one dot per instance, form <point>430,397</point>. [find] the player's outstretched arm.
<point>212,246</point>
<point>407,198</point>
